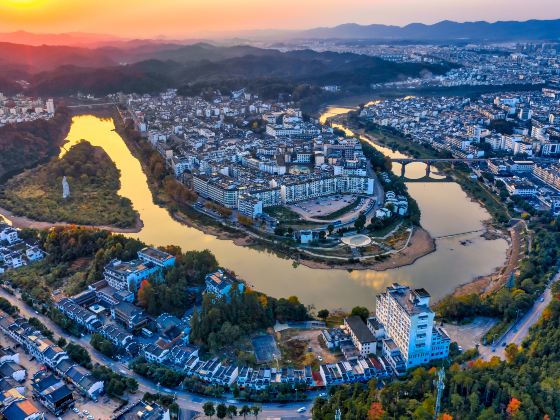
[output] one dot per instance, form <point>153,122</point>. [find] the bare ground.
<point>24,222</point>
<point>492,282</point>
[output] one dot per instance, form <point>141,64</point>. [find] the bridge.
<point>90,105</point>
<point>430,161</point>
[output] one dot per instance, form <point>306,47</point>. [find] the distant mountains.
<point>52,70</point>
<point>72,39</point>
<point>531,30</point>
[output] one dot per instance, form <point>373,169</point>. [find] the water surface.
<point>446,209</point>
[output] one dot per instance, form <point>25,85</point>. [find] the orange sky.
<point>173,18</point>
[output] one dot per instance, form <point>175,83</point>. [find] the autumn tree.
<point>376,411</point>
<point>144,293</point>
<point>513,407</point>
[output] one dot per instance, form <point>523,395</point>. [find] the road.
<point>186,400</point>
<point>520,330</point>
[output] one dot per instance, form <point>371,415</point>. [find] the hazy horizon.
<point>208,18</point>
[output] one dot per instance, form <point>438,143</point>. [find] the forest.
<point>222,322</point>
<point>94,182</point>
<point>29,143</point>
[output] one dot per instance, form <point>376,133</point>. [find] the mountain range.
<point>63,70</point>
<point>531,30</point>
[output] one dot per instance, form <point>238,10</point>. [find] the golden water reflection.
<point>445,209</point>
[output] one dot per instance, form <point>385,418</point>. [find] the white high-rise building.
<point>50,106</point>
<point>409,321</point>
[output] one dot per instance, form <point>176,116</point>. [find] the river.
<point>446,209</point>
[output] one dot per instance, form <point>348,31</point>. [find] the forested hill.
<point>94,182</point>
<point>148,71</point>
<point>28,143</point>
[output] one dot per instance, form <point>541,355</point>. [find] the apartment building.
<point>128,275</point>
<point>409,322</point>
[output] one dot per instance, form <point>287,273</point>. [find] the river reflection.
<point>445,210</point>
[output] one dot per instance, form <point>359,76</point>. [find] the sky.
<point>188,18</point>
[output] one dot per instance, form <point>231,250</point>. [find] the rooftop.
<point>360,329</point>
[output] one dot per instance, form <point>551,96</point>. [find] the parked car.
<point>301,410</point>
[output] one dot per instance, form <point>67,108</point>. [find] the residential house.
<point>52,392</point>
<point>22,409</point>
<point>132,317</point>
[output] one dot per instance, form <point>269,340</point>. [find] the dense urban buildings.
<point>220,149</point>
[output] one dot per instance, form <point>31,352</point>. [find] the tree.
<point>323,314</point>
<point>221,411</point>
<point>103,345</point>
<point>145,293</point>
<point>376,411</point>
<point>208,408</point>
<point>511,352</point>
<point>245,411</point>
<point>131,385</point>
<point>256,410</point>
<point>232,411</point>
<point>79,355</point>
<point>360,222</point>
<point>513,407</point>
<point>360,311</point>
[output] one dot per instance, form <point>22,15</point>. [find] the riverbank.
<point>22,222</point>
<point>485,285</point>
<point>493,228</point>
<point>419,245</point>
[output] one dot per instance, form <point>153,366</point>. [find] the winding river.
<point>446,209</point>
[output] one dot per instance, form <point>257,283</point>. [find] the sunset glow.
<point>172,18</point>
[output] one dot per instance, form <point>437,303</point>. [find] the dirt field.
<point>469,335</point>
<point>311,338</point>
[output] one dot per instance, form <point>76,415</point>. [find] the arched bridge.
<point>430,161</point>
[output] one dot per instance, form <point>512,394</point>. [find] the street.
<point>521,329</point>
<point>186,400</point>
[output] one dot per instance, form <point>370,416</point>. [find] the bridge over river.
<point>430,161</point>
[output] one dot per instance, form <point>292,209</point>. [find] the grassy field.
<point>94,183</point>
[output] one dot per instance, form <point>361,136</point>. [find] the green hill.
<point>94,183</point>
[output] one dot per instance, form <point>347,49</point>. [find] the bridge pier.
<point>428,169</point>
<point>403,168</point>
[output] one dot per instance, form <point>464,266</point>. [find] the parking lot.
<point>323,206</point>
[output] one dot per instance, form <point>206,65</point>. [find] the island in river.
<point>81,187</point>
<point>445,208</point>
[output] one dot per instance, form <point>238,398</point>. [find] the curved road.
<point>186,400</point>
<point>520,330</point>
